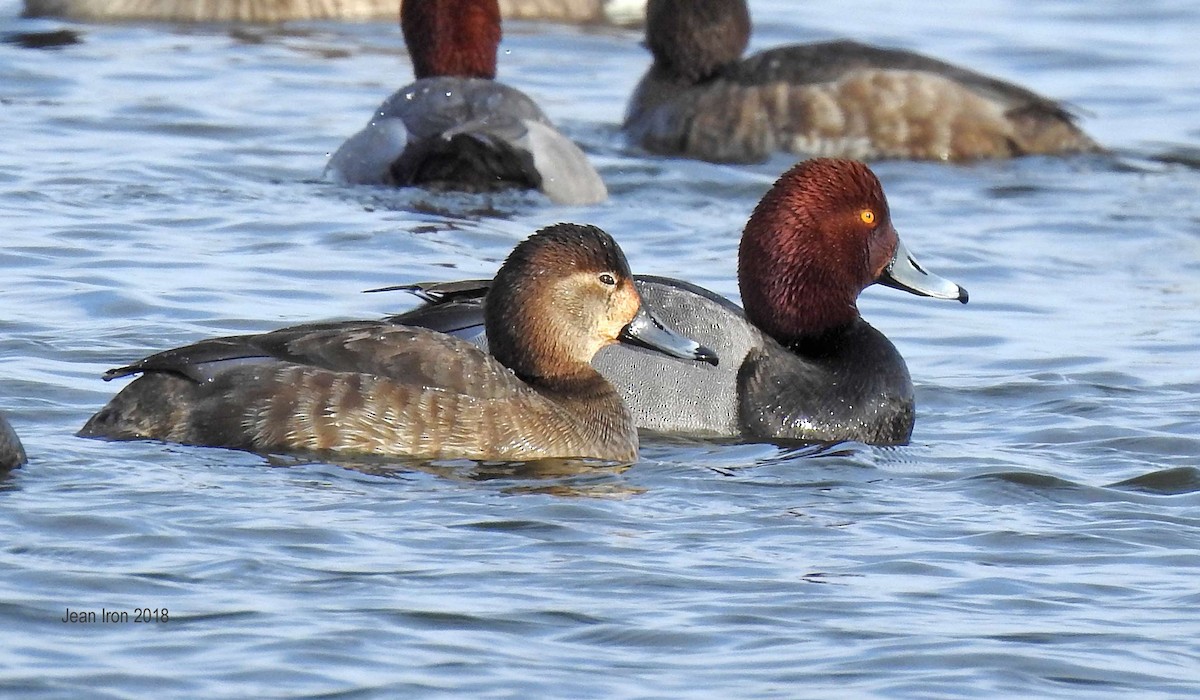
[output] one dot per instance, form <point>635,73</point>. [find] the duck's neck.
<point>787,295</point>
<point>455,38</point>
<point>796,311</point>
<point>596,408</point>
<point>582,383</point>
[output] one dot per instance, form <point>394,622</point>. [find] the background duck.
<point>613,11</point>
<point>12,452</point>
<point>800,362</point>
<point>701,99</point>
<point>457,128</point>
<point>379,388</point>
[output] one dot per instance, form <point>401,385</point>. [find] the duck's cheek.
<point>881,249</point>
<point>623,306</point>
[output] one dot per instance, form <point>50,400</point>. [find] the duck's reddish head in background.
<point>455,38</point>
<point>821,235</point>
<point>456,127</point>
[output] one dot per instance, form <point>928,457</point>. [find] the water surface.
<point>1040,536</point>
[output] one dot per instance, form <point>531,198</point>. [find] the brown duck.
<point>378,388</point>
<point>844,99</point>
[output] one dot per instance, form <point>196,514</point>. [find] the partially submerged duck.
<point>379,388</point>
<point>799,363</point>
<point>12,452</point>
<point>455,127</point>
<point>701,99</point>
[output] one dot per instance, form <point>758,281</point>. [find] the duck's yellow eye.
<point>867,216</point>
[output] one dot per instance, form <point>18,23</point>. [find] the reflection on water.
<point>581,478</point>
<point>42,40</point>
<point>1038,537</point>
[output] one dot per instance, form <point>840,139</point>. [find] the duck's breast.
<point>849,385</point>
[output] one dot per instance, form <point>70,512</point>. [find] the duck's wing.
<point>366,157</point>
<point>402,355</point>
<point>566,174</point>
<point>487,134</point>
<point>823,62</point>
<point>369,387</point>
<point>198,360</point>
<point>454,308</point>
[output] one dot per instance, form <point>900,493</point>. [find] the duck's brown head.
<point>560,296</point>
<point>692,39</point>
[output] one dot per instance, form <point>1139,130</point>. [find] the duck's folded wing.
<point>409,356</point>
<point>440,292</point>
<point>425,110</point>
<point>190,360</point>
<point>366,157</point>
<point>402,355</point>
<point>823,62</point>
<point>454,308</point>
<point>517,149</point>
<point>504,119</point>
<point>435,106</point>
<point>566,173</point>
<point>465,131</point>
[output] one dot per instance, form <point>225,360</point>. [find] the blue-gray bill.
<point>904,272</point>
<point>647,331</point>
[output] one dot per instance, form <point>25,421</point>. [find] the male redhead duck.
<point>612,11</point>
<point>701,99</point>
<point>384,389</point>
<point>799,363</point>
<point>12,452</point>
<point>455,127</point>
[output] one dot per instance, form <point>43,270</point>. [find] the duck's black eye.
<point>606,278</point>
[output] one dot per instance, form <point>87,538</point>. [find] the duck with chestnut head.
<point>799,362</point>
<point>456,127</point>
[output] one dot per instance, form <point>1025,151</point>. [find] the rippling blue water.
<point>1040,537</point>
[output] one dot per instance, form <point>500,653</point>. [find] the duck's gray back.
<point>664,394</point>
<point>668,395</point>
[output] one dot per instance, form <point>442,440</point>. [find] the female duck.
<point>800,363</point>
<point>380,388</point>
<point>701,99</point>
<point>455,127</point>
<point>614,11</point>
